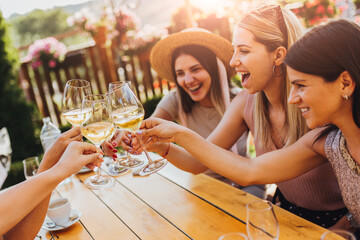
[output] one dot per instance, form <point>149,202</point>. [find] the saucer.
<point>74,212</point>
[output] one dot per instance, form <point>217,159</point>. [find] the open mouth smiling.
<point>194,88</point>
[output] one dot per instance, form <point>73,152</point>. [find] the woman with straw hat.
<point>197,61</point>
<point>261,41</point>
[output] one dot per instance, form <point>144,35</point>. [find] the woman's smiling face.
<point>320,102</point>
<point>251,60</point>
<point>193,78</point>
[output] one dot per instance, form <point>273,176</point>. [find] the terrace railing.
<point>98,63</point>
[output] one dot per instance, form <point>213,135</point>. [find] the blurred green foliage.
<point>39,24</point>
<point>17,115</point>
<point>150,105</point>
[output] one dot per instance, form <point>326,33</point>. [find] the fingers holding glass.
<point>128,114</point>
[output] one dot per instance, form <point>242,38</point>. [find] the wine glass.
<point>261,221</point>
<point>98,128</point>
<point>128,161</point>
<point>74,93</point>
<point>233,236</point>
<point>128,113</point>
<point>31,165</point>
<point>335,234</point>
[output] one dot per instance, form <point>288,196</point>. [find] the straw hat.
<point>161,53</point>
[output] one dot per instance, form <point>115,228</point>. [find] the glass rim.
<point>31,159</point>
<point>337,231</point>
<point>87,83</point>
<point>86,98</point>
<point>270,205</point>
<point>233,234</point>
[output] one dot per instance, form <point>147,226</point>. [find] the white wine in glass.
<point>129,162</point>
<point>128,113</point>
<point>98,128</point>
<point>72,110</point>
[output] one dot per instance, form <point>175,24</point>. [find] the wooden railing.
<point>98,63</point>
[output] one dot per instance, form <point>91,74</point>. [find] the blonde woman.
<point>196,60</point>
<point>261,41</point>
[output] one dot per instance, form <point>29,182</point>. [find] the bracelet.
<point>166,151</point>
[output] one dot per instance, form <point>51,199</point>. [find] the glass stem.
<point>98,172</point>
<point>145,151</point>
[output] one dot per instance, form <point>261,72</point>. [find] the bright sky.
<point>9,7</point>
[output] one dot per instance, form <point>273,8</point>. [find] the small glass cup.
<point>233,236</point>
<point>337,234</point>
<point>31,166</point>
<point>261,221</point>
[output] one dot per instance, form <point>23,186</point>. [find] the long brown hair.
<point>267,29</point>
<point>207,60</point>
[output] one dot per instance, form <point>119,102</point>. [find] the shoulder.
<point>242,97</point>
<point>311,141</point>
<point>171,97</point>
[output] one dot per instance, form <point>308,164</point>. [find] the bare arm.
<point>276,166</point>
<point>225,135</point>
<point>232,124</point>
<point>176,155</point>
<point>36,215</point>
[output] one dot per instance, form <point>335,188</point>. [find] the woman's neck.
<point>273,94</point>
<point>206,102</point>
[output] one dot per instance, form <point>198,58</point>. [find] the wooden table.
<point>170,204</point>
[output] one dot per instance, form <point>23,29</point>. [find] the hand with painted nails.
<point>109,149</point>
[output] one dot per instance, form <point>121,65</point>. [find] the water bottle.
<point>49,133</point>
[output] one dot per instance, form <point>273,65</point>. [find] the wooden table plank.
<point>97,218</point>
<point>181,208</point>
<point>137,215</point>
<point>233,201</point>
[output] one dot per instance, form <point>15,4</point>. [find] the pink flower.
<point>46,52</point>
<point>330,10</point>
<point>320,10</point>
<point>36,64</point>
<point>52,63</point>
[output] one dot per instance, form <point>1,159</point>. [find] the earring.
<point>273,71</point>
<point>346,97</point>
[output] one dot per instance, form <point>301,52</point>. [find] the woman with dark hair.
<point>261,41</point>
<point>197,61</point>
<point>324,70</point>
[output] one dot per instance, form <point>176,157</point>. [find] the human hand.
<point>84,153</point>
<point>157,130</point>
<point>121,138</point>
<point>56,150</point>
<point>344,224</point>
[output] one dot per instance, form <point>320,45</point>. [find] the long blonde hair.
<point>267,31</point>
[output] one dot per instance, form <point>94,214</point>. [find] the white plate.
<point>84,170</point>
<point>74,212</point>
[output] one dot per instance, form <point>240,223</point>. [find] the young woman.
<point>196,60</point>
<point>261,41</point>
<point>23,207</point>
<point>324,70</point>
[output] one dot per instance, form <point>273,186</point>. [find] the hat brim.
<point>161,53</point>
